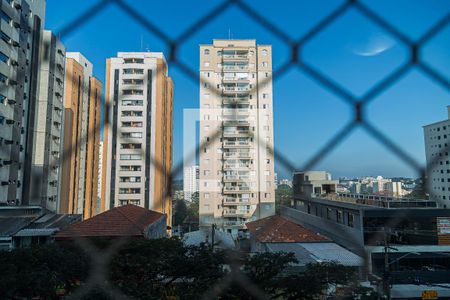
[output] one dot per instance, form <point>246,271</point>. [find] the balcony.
<point>235,201</point>
<point>235,89</point>
<point>231,167</point>
<point>235,213</point>
<point>235,189</point>
<point>236,122</point>
<point>235,56</point>
<point>234,155</point>
<point>233,68</point>
<point>235,100</point>
<point>232,79</point>
<point>236,178</point>
<point>241,112</point>
<point>234,133</point>
<point>232,144</point>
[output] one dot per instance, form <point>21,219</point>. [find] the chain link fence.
<point>358,104</point>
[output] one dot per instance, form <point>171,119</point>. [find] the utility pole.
<point>387,275</point>
<point>213,233</point>
<point>386,287</point>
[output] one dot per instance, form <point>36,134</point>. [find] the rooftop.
<point>127,220</point>
<point>276,229</point>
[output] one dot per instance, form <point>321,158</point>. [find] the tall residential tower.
<point>21,34</point>
<point>236,129</point>
<point>190,182</point>
<point>48,126</point>
<point>82,102</point>
<point>137,136</point>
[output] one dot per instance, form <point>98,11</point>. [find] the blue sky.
<point>305,114</point>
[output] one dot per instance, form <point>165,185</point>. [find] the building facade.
<point>314,183</point>
<point>137,136</point>
<point>19,78</point>
<point>437,141</point>
<point>236,129</point>
<point>48,126</point>
<point>190,182</point>
<point>417,231</point>
<point>82,104</point>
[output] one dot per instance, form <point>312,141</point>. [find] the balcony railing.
<point>236,132</point>
<point>235,79</point>
<point>236,188</point>
<point>233,155</point>
<point>235,56</point>
<point>235,212</point>
<point>237,143</point>
<point>235,67</point>
<point>232,100</point>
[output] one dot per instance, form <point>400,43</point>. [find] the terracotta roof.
<point>276,229</point>
<point>127,220</point>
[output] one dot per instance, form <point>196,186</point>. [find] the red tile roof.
<point>128,220</point>
<point>276,229</point>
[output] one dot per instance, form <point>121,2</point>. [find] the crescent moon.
<point>377,44</point>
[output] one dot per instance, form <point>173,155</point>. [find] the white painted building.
<point>190,182</point>
<point>236,129</point>
<point>437,141</point>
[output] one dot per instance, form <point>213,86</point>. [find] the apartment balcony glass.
<point>236,88</point>
<point>233,200</point>
<point>235,54</point>
<point>235,212</point>
<point>237,143</point>
<point>235,77</point>
<point>236,154</point>
<point>236,188</point>
<point>234,66</point>
<point>236,112</point>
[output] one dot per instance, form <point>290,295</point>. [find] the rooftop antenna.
<point>229,33</point>
<point>142,42</point>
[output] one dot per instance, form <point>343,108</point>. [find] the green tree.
<point>180,212</point>
<point>283,196</point>
<point>154,269</point>
<point>193,205</point>
<point>42,271</point>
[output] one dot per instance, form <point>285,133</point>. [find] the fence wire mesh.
<point>358,104</point>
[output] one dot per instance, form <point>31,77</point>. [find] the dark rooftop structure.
<point>21,226</point>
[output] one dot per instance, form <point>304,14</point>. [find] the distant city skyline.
<point>301,105</point>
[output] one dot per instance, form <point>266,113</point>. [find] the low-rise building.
<point>22,226</point>
<point>128,221</point>
<point>416,229</point>
<point>314,183</point>
<point>278,234</point>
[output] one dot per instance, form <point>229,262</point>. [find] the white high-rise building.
<point>236,128</point>
<point>437,141</point>
<point>190,182</point>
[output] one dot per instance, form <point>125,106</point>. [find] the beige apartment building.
<point>137,136</point>
<point>82,106</point>
<point>236,131</point>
